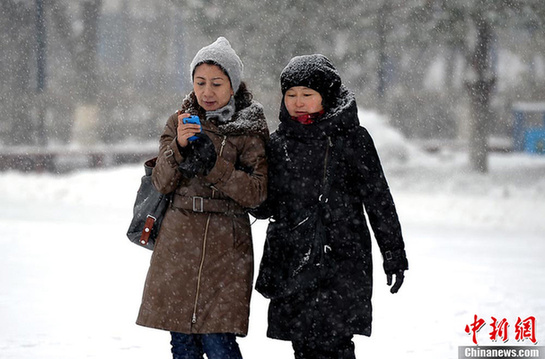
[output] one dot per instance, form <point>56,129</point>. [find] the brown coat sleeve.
<point>165,176</point>
<point>240,172</point>
<point>245,183</point>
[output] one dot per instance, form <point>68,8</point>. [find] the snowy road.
<point>70,281</point>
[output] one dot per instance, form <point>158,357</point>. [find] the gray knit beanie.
<point>221,53</point>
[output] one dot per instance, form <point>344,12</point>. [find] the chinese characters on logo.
<point>524,329</point>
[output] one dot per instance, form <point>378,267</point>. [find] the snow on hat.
<point>312,71</point>
<point>221,53</point>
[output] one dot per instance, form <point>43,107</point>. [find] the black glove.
<point>200,157</point>
<point>400,276</point>
<point>395,262</point>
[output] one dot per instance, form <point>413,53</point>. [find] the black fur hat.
<point>315,72</point>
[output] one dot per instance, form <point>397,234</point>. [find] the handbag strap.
<point>331,162</point>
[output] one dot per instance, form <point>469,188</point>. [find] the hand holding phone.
<point>194,120</point>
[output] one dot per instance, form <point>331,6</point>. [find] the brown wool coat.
<point>201,271</point>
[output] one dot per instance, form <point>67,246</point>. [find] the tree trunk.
<point>382,56</point>
<point>84,57</point>
<point>480,86</point>
<point>479,123</point>
<point>40,103</point>
<point>17,26</point>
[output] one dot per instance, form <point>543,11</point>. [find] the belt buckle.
<point>198,208</point>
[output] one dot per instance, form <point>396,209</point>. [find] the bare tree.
<point>82,43</point>
<point>480,81</point>
<point>471,26</point>
<point>16,89</point>
<point>123,62</point>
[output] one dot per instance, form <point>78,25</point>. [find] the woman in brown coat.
<point>201,273</point>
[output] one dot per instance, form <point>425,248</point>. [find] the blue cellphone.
<point>195,120</point>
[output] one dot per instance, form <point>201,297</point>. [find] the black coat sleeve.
<point>378,202</point>
<point>268,207</point>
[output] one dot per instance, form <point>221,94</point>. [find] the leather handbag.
<point>148,211</point>
<point>293,257</point>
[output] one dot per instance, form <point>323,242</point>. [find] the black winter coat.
<point>342,304</point>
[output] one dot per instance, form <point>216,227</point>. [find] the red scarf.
<point>308,118</point>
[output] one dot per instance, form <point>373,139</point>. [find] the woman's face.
<point>212,87</point>
<point>300,100</point>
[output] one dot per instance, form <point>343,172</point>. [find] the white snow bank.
<point>394,149</point>
<point>441,188</point>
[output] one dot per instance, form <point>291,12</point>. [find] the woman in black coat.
<point>317,112</point>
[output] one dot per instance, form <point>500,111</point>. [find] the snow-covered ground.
<point>70,281</point>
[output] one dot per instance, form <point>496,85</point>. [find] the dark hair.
<point>211,62</point>
<point>243,97</point>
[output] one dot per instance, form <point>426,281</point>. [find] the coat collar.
<point>340,119</point>
<point>249,120</point>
